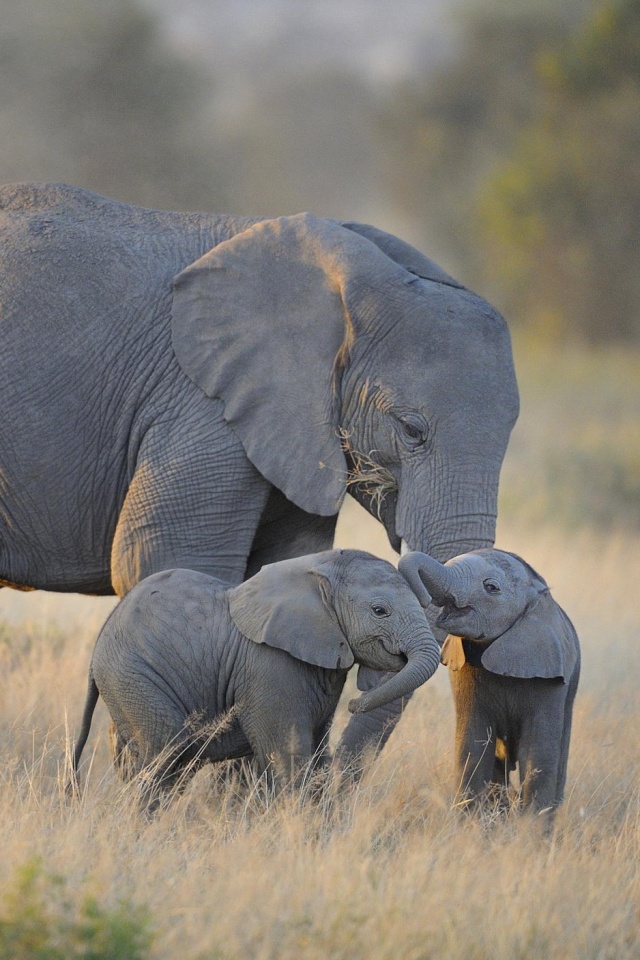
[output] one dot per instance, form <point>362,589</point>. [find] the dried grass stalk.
<point>372,479</point>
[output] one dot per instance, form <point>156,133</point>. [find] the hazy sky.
<point>380,39</point>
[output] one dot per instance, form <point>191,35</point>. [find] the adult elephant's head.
<point>344,356</point>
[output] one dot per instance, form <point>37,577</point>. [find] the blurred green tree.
<point>445,131</point>
<point>560,217</point>
<point>92,96</point>
<point>517,159</point>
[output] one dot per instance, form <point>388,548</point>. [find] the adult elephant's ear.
<point>542,643</point>
<point>258,321</point>
<point>287,605</point>
<point>403,253</point>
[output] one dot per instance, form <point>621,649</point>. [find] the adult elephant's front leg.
<point>286,531</point>
<point>194,501</point>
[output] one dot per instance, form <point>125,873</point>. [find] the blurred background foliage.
<point>91,95</point>
<point>500,136</point>
<point>522,151</point>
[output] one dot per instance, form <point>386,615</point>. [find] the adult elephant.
<point>190,390</point>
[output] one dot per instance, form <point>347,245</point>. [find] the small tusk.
<point>404,548</point>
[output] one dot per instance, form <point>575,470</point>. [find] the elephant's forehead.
<point>374,574</point>
<point>480,564</point>
<point>477,564</point>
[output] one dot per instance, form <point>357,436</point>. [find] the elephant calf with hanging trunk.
<point>182,649</point>
<point>199,391</point>
<point>514,663</point>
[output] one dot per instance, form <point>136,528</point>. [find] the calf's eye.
<point>491,586</point>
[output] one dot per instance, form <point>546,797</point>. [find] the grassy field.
<point>395,870</point>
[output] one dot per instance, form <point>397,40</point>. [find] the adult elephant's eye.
<point>414,430</point>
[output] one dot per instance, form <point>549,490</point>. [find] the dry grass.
<point>373,480</point>
<point>394,870</point>
<point>574,456</point>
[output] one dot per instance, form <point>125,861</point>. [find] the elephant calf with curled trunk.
<point>514,663</point>
<point>182,649</point>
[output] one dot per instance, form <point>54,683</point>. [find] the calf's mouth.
<point>451,612</point>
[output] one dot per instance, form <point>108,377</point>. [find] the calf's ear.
<point>285,606</point>
<point>542,643</point>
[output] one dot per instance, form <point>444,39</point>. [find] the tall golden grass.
<point>394,870</point>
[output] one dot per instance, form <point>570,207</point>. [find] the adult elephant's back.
<point>86,366</point>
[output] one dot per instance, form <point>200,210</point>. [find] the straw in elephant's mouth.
<point>373,480</point>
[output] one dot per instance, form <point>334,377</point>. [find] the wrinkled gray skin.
<point>514,664</point>
<point>182,649</point>
<point>190,390</point>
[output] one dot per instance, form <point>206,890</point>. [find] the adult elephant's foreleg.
<point>286,531</point>
<point>194,501</point>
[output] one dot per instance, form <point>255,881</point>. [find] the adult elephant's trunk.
<point>431,581</point>
<point>423,656</point>
<point>445,517</point>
